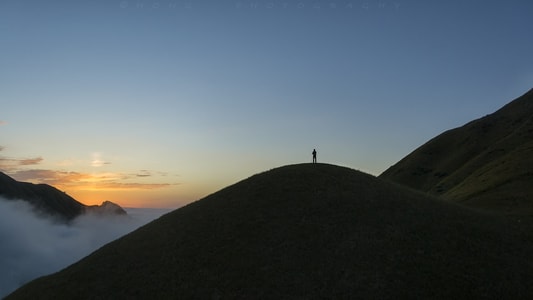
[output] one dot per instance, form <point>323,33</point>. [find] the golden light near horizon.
<point>96,185</point>
<point>106,182</point>
<point>132,198</point>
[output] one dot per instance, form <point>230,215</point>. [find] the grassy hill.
<point>487,163</point>
<point>307,231</point>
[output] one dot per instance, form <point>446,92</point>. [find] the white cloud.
<point>33,246</point>
<point>97,160</point>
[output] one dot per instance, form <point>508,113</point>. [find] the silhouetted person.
<point>314,156</point>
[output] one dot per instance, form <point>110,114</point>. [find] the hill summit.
<point>487,163</point>
<point>306,231</point>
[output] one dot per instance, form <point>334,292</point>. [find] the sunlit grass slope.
<point>306,231</point>
<point>487,163</point>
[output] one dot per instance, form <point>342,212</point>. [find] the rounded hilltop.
<point>306,231</point>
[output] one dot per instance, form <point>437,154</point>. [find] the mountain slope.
<point>44,198</point>
<point>51,201</point>
<point>306,231</point>
<point>486,163</point>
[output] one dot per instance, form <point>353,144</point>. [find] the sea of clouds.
<point>32,246</point>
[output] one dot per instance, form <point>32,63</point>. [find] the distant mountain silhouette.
<point>106,208</point>
<point>51,201</point>
<point>307,231</point>
<point>487,163</point>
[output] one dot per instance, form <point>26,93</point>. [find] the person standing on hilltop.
<point>314,156</point>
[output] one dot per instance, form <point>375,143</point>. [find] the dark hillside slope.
<point>45,198</point>
<point>486,163</point>
<point>306,231</point>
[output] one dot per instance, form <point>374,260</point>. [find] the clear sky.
<point>158,103</point>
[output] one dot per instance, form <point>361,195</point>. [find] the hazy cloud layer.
<point>33,246</point>
<point>76,180</point>
<point>30,161</point>
<point>21,169</point>
<point>9,164</point>
<point>144,173</point>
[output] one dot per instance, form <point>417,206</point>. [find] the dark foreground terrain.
<point>307,231</point>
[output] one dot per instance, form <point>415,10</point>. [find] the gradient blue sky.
<point>158,103</point>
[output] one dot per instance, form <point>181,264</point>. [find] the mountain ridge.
<point>306,231</point>
<point>484,163</point>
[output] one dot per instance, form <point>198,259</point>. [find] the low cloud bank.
<point>32,246</point>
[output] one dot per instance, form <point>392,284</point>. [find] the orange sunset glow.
<point>94,179</point>
<point>139,189</point>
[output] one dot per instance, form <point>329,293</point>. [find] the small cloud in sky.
<point>30,161</point>
<point>144,173</point>
<point>10,164</point>
<point>50,177</point>
<point>86,181</point>
<point>2,122</point>
<point>97,160</point>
